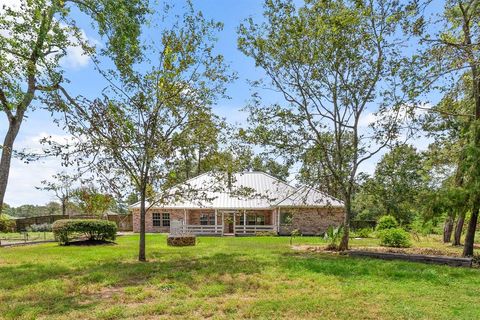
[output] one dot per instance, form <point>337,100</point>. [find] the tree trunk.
<point>472,226</point>
<point>6,159</point>
<point>447,229</point>
<point>141,251</point>
<point>346,225</point>
<point>457,237</point>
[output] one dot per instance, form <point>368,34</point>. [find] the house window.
<point>255,219</point>
<point>157,219</point>
<point>207,219</point>
<point>286,218</point>
<point>166,219</point>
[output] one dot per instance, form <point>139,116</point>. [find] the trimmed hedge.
<point>65,230</point>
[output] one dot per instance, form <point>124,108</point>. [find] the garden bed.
<point>181,240</point>
<point>424,255</point>
<point>435,259</point>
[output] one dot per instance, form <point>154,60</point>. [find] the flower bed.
<point>181,240</point>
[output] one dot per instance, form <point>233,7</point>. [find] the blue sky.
<point>25,177</point>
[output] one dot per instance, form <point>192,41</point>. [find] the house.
<point>248,203</point>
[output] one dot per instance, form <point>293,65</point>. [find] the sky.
<point>25,178</point>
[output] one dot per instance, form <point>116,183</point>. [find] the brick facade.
<point>310,221</point>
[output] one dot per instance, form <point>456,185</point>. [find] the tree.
<point>332,62</point>
<point>448,54</point>
<point>61,187</point>
<point>35,37</point>
<point>91,201</point>
<point>134,132</point>
<point>397,181</point>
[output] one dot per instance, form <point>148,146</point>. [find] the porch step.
<point>229,234</point>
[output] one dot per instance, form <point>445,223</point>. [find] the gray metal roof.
<point>248,190</point>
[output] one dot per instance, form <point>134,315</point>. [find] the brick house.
<point>247,203</point>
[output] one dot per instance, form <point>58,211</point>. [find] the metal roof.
<point>248,190</point>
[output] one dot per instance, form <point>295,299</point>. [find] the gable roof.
<point>249,190</point>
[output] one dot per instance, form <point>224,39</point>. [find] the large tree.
<point>448,53</point>
<point>133,134</point>
<point>332,62</point>
<point>35,36</point>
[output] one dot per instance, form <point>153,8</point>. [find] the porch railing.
<point>200,229</point>
<point>252,229</point>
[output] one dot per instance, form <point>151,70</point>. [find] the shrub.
<point>363,233</point>
<point>6,224</point>
<point>332,236</point>
<point>295,233</point>
<point>66,230</point>
<point>44,227</point>
<point>387,222</point>
<point>395,237</point>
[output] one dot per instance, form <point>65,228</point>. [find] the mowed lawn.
<point>255,277</point>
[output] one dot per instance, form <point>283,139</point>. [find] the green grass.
<point>31,236</point>
<point>255,277</point>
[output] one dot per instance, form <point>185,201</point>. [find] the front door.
<point>228,222</point>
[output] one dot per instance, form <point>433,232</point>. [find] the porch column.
<point>234,218</point>
<point>278,220</point>
<point>185,216</point>
<point>244,221</point>
<point>216,222</point>
<point>223,222</point>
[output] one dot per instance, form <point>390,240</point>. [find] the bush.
<point>6,224</point>
<point>387,222</point>
<point>395,237</point>
<point>333,235</point>
<point>44,227</point>
<point>66,230</point>
<point>363,233</point>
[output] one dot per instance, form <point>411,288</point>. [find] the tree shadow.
<point>184,271</point>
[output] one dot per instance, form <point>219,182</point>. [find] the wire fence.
<point>25,237</point>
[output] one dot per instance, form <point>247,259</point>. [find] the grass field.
<point>255,277</point>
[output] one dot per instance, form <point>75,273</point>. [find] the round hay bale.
<point>181,240</point>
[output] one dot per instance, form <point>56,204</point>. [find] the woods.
<point>375,102</point>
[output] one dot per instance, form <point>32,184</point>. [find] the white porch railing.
<point>200,229</point>
<point>252,229</point>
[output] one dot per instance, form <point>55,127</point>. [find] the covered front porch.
<point>227,222</point>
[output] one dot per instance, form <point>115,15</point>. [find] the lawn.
<point>256,277</point>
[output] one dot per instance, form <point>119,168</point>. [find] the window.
<point>255,219</point>
<point>166,219</point>
<point>260,220</point>
<point>286,218</point>
<point>157,219</point>
<point>207,219</point>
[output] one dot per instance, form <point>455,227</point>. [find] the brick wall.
<point>312,221</point>
<point>175,215</point>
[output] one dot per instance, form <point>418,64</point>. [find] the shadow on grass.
<point>36,279</point>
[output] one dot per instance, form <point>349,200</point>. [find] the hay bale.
<point>181,240</point>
